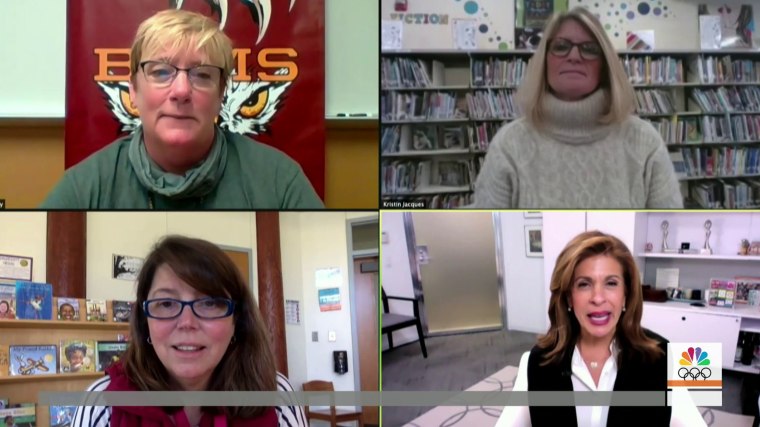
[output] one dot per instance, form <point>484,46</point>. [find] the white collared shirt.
<point>685,413</point>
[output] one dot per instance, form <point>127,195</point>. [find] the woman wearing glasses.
<point>178,158</point>
<point>195,327</point>
<point>579,144</point>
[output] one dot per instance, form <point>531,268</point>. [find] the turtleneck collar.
<point>576,122</point>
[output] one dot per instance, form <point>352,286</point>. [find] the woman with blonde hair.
<point>595,342</point>
<point>178,158</point>
<point>195,327</point>
<point>578,144</point>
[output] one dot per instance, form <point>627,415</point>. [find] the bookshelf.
<point>25,389</point>
<point>440,110</point>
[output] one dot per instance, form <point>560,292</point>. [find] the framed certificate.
<point>15,267</point>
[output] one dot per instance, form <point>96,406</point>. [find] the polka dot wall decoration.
<point>617,17</point>
<point>485,26</point>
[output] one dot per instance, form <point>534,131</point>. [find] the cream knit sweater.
<point>574,162</point>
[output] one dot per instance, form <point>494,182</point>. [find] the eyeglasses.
<point>201,77</point>
<point>561,48</point>
<point>205,308</point>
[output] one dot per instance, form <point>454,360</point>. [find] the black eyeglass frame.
<point>598,55</point>
<point>230,307</point>
<point>142,65</point>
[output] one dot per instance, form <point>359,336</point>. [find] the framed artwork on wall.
<point>533,245</point>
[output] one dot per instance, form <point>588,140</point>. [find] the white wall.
<point>25,234</point>
<point>523,277</point>
<point>312,241</point>
<point>675,28</point>
<point>396,276</point>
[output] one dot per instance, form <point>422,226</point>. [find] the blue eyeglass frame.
<point>230,307</point>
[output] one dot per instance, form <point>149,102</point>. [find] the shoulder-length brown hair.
<point>564,329</point>
<point>247,365</point>
<point>535,86</point>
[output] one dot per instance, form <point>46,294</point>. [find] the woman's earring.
<point>623,308</point>
<point>234,338</point>
<point>149,341</point>
<point>569,308</point>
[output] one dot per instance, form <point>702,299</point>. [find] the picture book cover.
<point>122,310</point>
<point>744,285</point>
<point>723,292</point>
<point>7,301</point>
<point>77,355</point>
<point>62,416</point>
<point>68,309</point>
<point>23,415</point>
<point>96,311</point>
<point>5,364</point>
<point>109,352</point>
<point>33,359</point>
<point>34,301</point>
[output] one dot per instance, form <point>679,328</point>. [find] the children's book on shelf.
<point>96,310</point>
<point>77,355</point>
<point>5,364</point>
<point>23,415</point>
<point>723,292</point>
<point>109,352</point>
<point>68,309</point>
<point>62,416</point>
<point>34,301</point>
<point>7,301</point>
<point>122,310</point>
<point>33,359</point>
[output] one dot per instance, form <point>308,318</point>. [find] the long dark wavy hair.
<point>248,363</point>
<point>565,329</point>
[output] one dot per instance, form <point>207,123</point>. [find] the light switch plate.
<point>315,336</point>
<point>331,336</point>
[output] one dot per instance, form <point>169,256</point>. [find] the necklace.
<point>593,365</point>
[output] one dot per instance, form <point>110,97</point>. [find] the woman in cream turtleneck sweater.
<point>579,144</point>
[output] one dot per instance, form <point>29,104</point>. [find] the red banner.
<point>279,48</point>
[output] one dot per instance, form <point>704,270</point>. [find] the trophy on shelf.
<point>707,250</point>
<point>665,249</point>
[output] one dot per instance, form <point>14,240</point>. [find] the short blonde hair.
<point>180,29</point>
<point>613,78</point>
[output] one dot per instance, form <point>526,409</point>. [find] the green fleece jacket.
<point>256,176</point>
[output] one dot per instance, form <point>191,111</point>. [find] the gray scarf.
<point>196,182</point>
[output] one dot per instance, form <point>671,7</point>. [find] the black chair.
<point>393,322</point>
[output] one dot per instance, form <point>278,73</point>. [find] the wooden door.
<point>241,261</point>
<point>365,286</point>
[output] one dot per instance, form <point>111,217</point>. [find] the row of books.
<point>693,130</point>
<point>653,70</point>
<point>713,69</point>
<point>654,101</point>
<point>492,104</point>
<point>726,193</point>
<point>410,73</point>
<point>417,175</point>
<point>404,138</point>
<point>34,301</point>
<point>437,201</point>
<point>498,72</point>
<point>724,161</point>
<point>422,106</point>
<point>70,356</point>
<point>426,137</point>
<point>727,99</point>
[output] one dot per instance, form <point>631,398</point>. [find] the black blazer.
<point>634,374</point>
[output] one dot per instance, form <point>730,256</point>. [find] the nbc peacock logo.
<point>694,364</point>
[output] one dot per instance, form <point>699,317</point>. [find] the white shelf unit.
<point>714,178</point>
<point>679,321</point>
